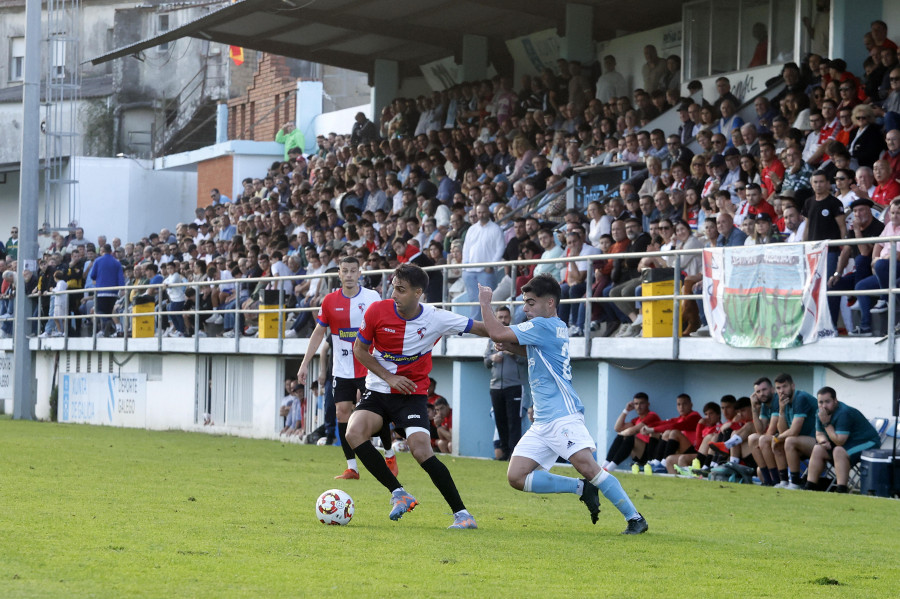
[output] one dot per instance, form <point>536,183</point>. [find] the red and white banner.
<point>767,295</point>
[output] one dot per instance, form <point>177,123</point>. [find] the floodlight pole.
<point>23,359</point>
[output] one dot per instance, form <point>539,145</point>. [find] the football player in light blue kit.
<point>558,428</point>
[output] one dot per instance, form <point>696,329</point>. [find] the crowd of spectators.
<point>449,178</point>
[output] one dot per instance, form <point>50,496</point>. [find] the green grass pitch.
<point>104,512</point>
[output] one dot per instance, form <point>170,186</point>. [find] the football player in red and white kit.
<point>394,342</point>
<point>342,312</point>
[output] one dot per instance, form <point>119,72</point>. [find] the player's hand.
<point>401,384</point>
<point>485,295</point>
<point>497,357</point>
<point>322,380</point>
<point>531,414</point>
<point>783,402</point>
<point>302,373</point>
<point>824,417</point>
<point>629,406</point>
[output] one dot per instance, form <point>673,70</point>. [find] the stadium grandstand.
<point>554,135</point>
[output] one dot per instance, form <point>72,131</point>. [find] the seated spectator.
<point>675,435</point>
<point>842,434</point>
<point>630,441</point>
<point>855,262</point>
<point>867,144</point>
<point>880,278</point>
<point>887,188</point>
<point>789,434</point>
<point>443,421</point>
<point>706,427</point>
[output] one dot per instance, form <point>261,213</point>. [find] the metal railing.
<point>240,285</point>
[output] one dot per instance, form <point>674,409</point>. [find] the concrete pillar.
<point>221,123</point>
<point>850,19</point>
<point>579,41</point>
<point>474,57</point>
<point>309,106</point>
<point>385,84</point>
<point>473,429</point>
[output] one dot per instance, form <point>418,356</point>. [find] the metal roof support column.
<point>385,85</point>
<point>579,41</point>
<point>849,20</point>
<point>474,57</point>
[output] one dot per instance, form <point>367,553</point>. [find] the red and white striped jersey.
<point>402,346</point>
<point>344,315</point>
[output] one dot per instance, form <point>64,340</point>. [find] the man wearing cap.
<point>886,188</point>
<point>862,226</point>
<point>716,166</point>
<point>765,232</point>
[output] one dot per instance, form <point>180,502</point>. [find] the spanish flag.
<point>236,53</point>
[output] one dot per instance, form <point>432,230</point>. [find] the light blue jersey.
<point>549,370</point>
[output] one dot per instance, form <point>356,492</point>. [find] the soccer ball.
<point>334,507</point>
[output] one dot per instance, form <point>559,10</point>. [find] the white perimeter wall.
<point>125,198</point>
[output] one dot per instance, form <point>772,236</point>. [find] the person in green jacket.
<point>291,137</point>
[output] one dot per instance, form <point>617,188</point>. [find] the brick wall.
<point>253,115</point>
<point>218,173</point>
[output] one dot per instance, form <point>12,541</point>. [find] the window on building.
<point>162,26</point>
<point>16,58</point>
<point>58,54</point>
<point>722,36</point>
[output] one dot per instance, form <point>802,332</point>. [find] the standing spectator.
<point>824,217</point>
<point>611,83</point>
<point>291,137</point>
<point>575,281</point>
<point>653,71</point>
<point>58,307</point>
<point>506,389</point>
<point>364,131</point>
<point>483,243</point>
<point>107,272</point>
<point>12,244</point>
<point>177,298</point>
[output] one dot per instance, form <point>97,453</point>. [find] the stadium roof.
<point>352,34</point>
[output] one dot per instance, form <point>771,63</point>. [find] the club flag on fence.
<point>236,53</point>
<point>770,296</point>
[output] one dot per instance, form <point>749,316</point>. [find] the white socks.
<point>733,441</point>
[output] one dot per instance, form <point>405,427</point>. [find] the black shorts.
<point>345,389</point>
<point>404,411</point>
<point>104,304</point>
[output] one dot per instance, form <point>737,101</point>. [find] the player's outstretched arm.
<point>495,330</point>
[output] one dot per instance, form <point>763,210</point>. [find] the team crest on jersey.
<point>362,307</point>
<point>421,332</point>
